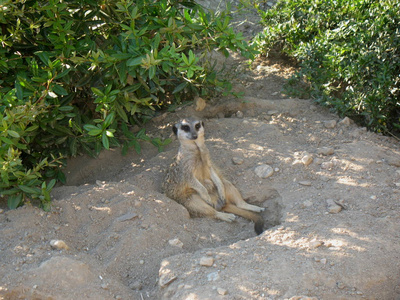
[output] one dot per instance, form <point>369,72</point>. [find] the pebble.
<point>345,122</point>
<point>340,285</point>
<point>333,208</point>
<point>200,103</point>
<point>127,217</point>
<point>325,151</point>
<point>264,171</point>
<point>307,203</point>
<point>1,210</point>
<point>239,114</point>
<point>166,279</point>
<point>330,124</point>
<point>327,165</point>
<point>100,183</point>
<point>58,245</point>
<point>307,159</point>
<point>176,243</point>
<point>137,285</point>
<point>206,261</point>
<point>214,276</point>
<point>305,183</point>
<point>315,244</point>
<point>222,291</point>
<point>237,160</point>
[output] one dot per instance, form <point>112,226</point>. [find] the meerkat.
<point>196,183</point>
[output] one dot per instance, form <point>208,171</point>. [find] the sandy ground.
<point>332,212</point>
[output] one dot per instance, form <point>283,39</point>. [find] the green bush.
<point>76,75</point>
<point>348,53</point>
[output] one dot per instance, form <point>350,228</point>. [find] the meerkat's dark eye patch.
<point>197,126</point>
<point>185,128</point>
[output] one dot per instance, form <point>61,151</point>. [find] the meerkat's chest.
<point>202,172</point>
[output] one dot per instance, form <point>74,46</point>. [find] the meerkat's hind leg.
<point>233,196</point>
<point>198,207</point>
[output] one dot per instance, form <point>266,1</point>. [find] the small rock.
<point>166,279</point>
<point>100,183</point>
<point>307,159</point>
<point>305,183</point>
<point>333,208</point>
<point>237,160</point>
<point>325,151</point>
<point>307,203</point>
<point>206,261</point>
<point>104,286</point>
<point>340,285</point>
<point>315,244</point>
<point>345,122</point>
<point>239,114</point>
<point>200,103</point>
<point>1,210</point>
<point>323,261</point>
<point>214,276</point>
<point>272,112</point>
<point>126,217</point>
<point>264,171</point>
<point>176,243</point>
<point>137,285</point>
<point>327,165</point>
<point>330,124</point>
<point>58,245</point>
<point>393,161</point>
<point>222,291</point>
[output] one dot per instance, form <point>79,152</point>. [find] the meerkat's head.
<point>189,130</point>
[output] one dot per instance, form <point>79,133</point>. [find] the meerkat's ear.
<point>202,123</point>
<point>175,129</point>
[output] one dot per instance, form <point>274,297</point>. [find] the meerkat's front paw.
<point>220,204</point>
<point>226,217</point>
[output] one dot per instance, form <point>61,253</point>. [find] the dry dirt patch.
<point>334,221</point>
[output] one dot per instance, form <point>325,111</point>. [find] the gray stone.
<point>264,171</point>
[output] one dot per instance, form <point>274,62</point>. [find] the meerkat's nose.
<point>194,136</point>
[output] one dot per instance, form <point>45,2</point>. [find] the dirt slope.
<point>123,235</point>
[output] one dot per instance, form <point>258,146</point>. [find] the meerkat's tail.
<point>250,215</point>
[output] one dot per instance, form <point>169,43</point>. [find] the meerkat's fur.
<point>194,181</point>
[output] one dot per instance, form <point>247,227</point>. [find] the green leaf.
<point>6,140</point>
<point>13,133</point>
<point>63,73</point>
<point>95,132</point>
<point>109,119</point>
<point>51,184</point>
<point>105,141</point>
<point>14,201</point>
<point>65,108</point>
<point>180,87</point>
<point>29,190</point>
<point>89,127</point>
<point>19,91</point>
<point>59,90</point>
<point>44,57</point>
<point>97,92</point>
<point>134,61</point>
